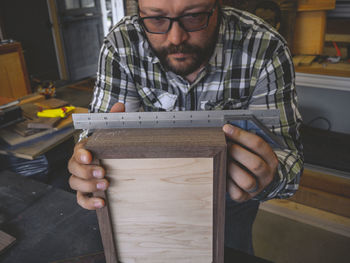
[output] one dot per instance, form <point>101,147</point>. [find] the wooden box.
<point>166,200</point>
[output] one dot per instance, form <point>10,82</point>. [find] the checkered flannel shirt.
<point>251,68</point>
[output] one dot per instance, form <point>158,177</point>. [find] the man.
<point>196,55</point>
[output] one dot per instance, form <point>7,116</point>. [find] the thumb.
<point>118,107</point>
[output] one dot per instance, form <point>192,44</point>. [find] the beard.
<point>197,56</point>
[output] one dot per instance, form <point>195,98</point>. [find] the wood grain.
<point>166,202</point>
<point>156,143</point>
<point>162,209</point>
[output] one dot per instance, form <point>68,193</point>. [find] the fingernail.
<point>98,204</point>
<point>97,174</point>
<point>101,186</point>
<point>84,158</point>
<point>228,129</point>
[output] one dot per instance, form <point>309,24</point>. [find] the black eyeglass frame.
<point>178,19</point>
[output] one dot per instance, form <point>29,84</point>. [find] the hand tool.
<point>260,122</point>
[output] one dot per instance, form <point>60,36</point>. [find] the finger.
<point>87,186</point>
<point>254,163</point>
<point>235,192</point>
<point>81,155</point>
<point>118,107</point>
<point>251,141</point>
<point>90,203</point>
<point>85,171</point>
<point>242,178</point>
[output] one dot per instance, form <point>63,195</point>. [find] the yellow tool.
<point>53,113</point>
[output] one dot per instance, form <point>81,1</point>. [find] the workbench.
<point>50,226</point>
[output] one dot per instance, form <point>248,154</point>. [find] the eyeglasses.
<point>189,22</point>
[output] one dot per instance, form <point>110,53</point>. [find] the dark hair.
<point>272,6</point>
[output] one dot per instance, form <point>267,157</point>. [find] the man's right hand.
<point>87,178</point>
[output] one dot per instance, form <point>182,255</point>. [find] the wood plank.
<point>43,123</point>
<point>337,38</point>
<point>307,60</point>
<point>14,139</point>
<point>297,60</point>
<point>156,143</point>
<point>323,200</point>
<point>159,186</point>
<point>51,103</point>
<point>163,209</point>
<point>63,68</point>
<point>35,148</point>
<point>315,5</point>
<point>309,33</point>
<point>340,69</point>
<point>308,215</point>
<point>31,98</point>
<point>29,110</point>
<point>325,182</point>
<point>22,129</point>
<point>5,241</point>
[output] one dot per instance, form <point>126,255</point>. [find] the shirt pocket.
<point>158,99</point>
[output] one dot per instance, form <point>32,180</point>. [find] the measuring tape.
<point>257,121</point>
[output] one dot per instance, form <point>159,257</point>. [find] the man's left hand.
<point>252,163</point>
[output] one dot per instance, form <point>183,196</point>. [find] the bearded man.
<point>197,55</point>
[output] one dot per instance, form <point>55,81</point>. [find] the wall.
<point>327,97</point>
<point>28,23</point>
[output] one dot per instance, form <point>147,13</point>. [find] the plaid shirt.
<point>251,68</point>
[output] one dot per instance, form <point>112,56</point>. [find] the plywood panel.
<point>162,209</point>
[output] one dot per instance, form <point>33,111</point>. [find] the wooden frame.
<point>164,143</point>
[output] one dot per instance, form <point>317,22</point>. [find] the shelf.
<point>337,69</point>
<point>323,81</point>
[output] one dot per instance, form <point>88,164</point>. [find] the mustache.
<point>182,48</point>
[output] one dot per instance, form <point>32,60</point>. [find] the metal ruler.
<point>259,122</point>
<point>176,119</point>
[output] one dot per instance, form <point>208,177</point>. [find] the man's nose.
<point>177,34</point>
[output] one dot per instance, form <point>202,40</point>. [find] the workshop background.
<point>48,59</point>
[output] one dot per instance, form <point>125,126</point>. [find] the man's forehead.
<point>173,5</point>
